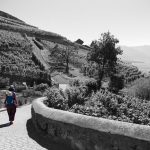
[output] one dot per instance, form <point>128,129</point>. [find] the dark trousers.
<point>11,110</point>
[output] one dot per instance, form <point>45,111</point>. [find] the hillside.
<point>25,50</point>
<point>30,48</point>
<point>17,61</point>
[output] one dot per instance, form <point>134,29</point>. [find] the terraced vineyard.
<point>130,72</point>
<point>16,59</point>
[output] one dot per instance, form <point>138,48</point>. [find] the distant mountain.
<point>138,55</point>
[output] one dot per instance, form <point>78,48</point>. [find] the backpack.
<point>10,97</point>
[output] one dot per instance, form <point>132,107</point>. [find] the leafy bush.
<point>111,106</point>
<point>38,94</point>
<point>75,82</point>
<point>28,92</point>
<point>100,104</point>
<point>90,69</point>
<point>91,85</point>
<point>41,87</point>
<point>76,95</point>
<point>116,83</point>
<point>56,99</point>
<point>4,82</point>
<point>22,100</point>
<point>19,88</point>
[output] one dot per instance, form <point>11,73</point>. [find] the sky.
<point>127,20</point>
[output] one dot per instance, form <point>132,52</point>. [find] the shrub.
<point>22,101</point>
<point>111,106</point>
<point>100,104</point>
<point>27,92</point>
<point>41,87</point>
<point>75,82</point>
<point>91,85</point>
<point>56,99</point>
<point>38,94</point>
<point>116,83</point>
<point>4,82</point>
<point>19,88</point>
<point>75,95</point>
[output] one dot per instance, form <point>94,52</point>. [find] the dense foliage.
<point>129,72</point>
<point>41,87</point>
<point>56,99</point>
<point>104,53</point>
<point>116,83</point>
<point>4,82</point>
<point>102,103</point>
<point>123,108</point>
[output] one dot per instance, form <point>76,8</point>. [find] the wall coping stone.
<point>132,130</point>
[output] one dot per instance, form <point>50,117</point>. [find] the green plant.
<point>28,92</point>
<point>19,88</point>
<point>75,95</point>
<point>101,104</point>
<point>4,82</point>
<point>104,53</point>
<point>116,83</point>
<point>37,94</point>
<point>91,85</point>
<point>41,87</point>
<point>56,99</point>
<point>75,82</point>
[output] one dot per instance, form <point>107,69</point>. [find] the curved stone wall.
<point>82,132</point>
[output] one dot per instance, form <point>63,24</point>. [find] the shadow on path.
<point>43,140</point>
<point>4,125</point>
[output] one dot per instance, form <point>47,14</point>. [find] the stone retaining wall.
<point>80,132</point>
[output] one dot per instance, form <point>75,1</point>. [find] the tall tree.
<point>64,55</point>
<point>104,53</point>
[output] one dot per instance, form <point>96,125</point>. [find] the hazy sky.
<point>128,20</point>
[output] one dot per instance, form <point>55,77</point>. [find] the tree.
<point>104,53</point>
<point>116,83</point>
<point>64,55</point>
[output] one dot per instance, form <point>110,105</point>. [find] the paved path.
<point>16,136</point>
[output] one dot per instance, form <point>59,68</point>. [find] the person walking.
<point>11,103</point>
